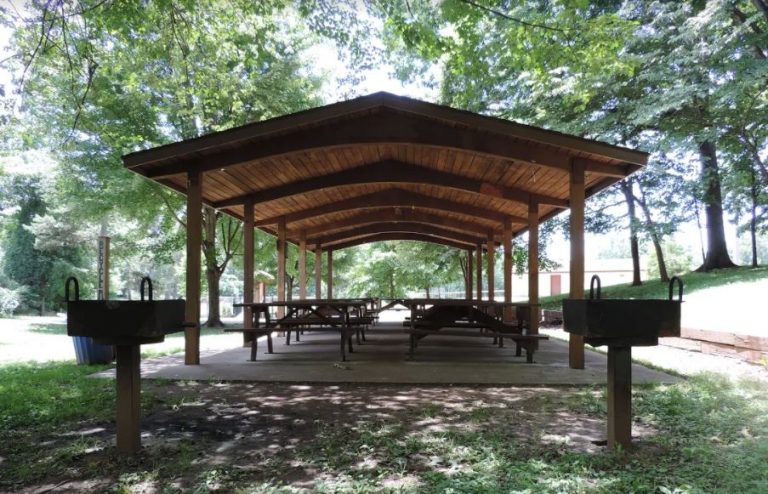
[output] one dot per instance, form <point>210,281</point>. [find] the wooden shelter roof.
<point>385,166</point>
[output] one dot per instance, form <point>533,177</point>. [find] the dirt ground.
<point>285,435</point>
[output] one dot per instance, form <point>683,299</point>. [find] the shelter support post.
<point>576,342</point>
<point>303,265</point>
<point>533,266</point>
<point>194,245</point>
<point>491,249</point>
<point>619,396</point>
<point>470,275</point>
<point>479,254</point>
<point>330,275</point>
<point>318,273</point>
<point>248,270</point>
<point>507,269</point>
<point>281,245</point>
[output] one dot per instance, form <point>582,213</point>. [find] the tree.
<point>100,79</point>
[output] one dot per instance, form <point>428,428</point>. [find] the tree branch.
<point>509,17</point>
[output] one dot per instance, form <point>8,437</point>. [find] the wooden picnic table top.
<point>306,303</point>
<point>459,302</point>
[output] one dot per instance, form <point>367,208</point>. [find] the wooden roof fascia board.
<point>376,128</point>
<point>396,198</point>
<point>382,100</point>
<point>382,237</point>
<point>401,226</point>
<point>403,216</point>
<point>392,171</point>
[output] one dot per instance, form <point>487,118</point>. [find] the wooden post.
<point>281,265</point>
<point>491,250</point>
<point>330,275</point>
<point>128,417</point>
<point>479,263</point>
<point>507,269</point>
<point>248,269</point>
<point>619,396</point>
<point>194,246</point>
<point>533,266</point>
<point>470,275</point>
<point>318,272</point>
<point>576,342</point>
<point>303,265</point>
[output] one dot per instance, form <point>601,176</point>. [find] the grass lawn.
<point>704,434</point>
<point>656,289</point>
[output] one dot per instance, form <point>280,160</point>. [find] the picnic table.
<point>470,318</point>
<point>347,316</point>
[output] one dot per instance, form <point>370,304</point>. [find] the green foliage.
<point>678,261</point>
<point>39,269</point>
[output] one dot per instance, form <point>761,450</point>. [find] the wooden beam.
<point>248,269</point>
<point>470,275</point>
<point>618,171</point>
<point>318,272</point>
<point>281,251</point>
<point>383,237</point>
<point>194,246</point>
<point>330,275</point>
<point>395,198</point>
<point>303,266</point>
<point>400,226</point>
<point>507,241</point>
<point>491,253</point>
<point>533,267</point>
<point>479,263</point>
<point>398,215</point>
<point>393,171</point>
<point>577,193</point>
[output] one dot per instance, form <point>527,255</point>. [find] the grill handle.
<point>145,280</point>
<point>67,283</point>
<point>596,279</point>
<point>679,288</point>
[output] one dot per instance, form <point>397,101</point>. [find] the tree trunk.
<point>214,308</point>
<point>655,237</point>
<point>629,196</point>
<point>427,291</point>
<point>212,271</point>
<point>391,285</point>
<point>717,251</point>
<point>753,220</point>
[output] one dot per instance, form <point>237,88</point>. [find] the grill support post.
<point>128,415</point>
<point>619,396</point>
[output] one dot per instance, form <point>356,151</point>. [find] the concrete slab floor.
<point>383,358</point>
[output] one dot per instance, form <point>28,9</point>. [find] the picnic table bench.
<point>460,316</point>
<point>342,315</point>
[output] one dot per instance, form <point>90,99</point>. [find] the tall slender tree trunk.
<point>717,251</point>
<point>753,219</point>
<point>627,187</point>
<point>212,271</point>
<point>655,237</point>
<point>391,285</point>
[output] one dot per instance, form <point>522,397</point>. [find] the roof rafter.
<point>393,197</point>
<point>395,215</point>
<point>393,171</point>
<point>382,237</point>
<point>405,226</point>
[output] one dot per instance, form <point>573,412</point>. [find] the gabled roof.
<point>379,155</point>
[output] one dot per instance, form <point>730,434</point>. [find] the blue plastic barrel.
<point>87,352</point>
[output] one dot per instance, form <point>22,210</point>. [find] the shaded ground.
<point>221,436</point>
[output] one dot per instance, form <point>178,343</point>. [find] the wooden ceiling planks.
<point>278,153</point>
